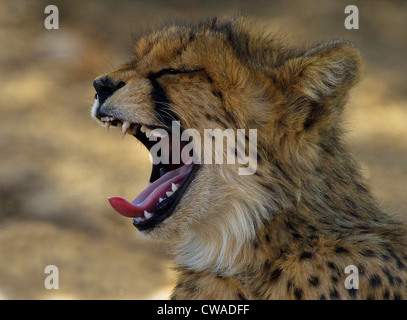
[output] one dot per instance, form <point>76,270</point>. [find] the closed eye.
<point>171,71</point>
<point>159,96</point>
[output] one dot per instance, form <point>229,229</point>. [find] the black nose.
<point>105,87</point>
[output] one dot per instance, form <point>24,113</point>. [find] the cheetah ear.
<point>315,84</point>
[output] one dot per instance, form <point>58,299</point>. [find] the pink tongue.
<point>148,199</point>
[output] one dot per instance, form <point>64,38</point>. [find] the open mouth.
<point>167,185</point>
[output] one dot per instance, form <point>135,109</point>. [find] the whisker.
<point>170,108</point>
<point>170,116</point>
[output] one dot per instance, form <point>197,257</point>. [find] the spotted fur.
<point>289,230</point>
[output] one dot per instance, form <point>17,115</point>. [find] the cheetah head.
<point>222,74</point>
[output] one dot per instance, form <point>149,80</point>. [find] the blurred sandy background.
<point>57,166</point>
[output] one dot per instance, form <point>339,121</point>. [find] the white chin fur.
<point>95,108</point>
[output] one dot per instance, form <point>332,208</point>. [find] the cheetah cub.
<point>302,224</point>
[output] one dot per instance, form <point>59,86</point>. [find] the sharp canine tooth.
<point>108,126</point>
<point>169,193</point>
<point>160,199</point>
<point>174,187</point>
<point>143,128</point>
<point>148,133</point>
<point>147,214</point>
<point>125,126</point>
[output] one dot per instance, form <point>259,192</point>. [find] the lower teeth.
<point>147,214</point>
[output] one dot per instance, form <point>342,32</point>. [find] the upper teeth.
<point>146,130</point>
<point>143,128</point>
<point>107,119</point>
<point>125,126</point>
<point>151,132</point>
